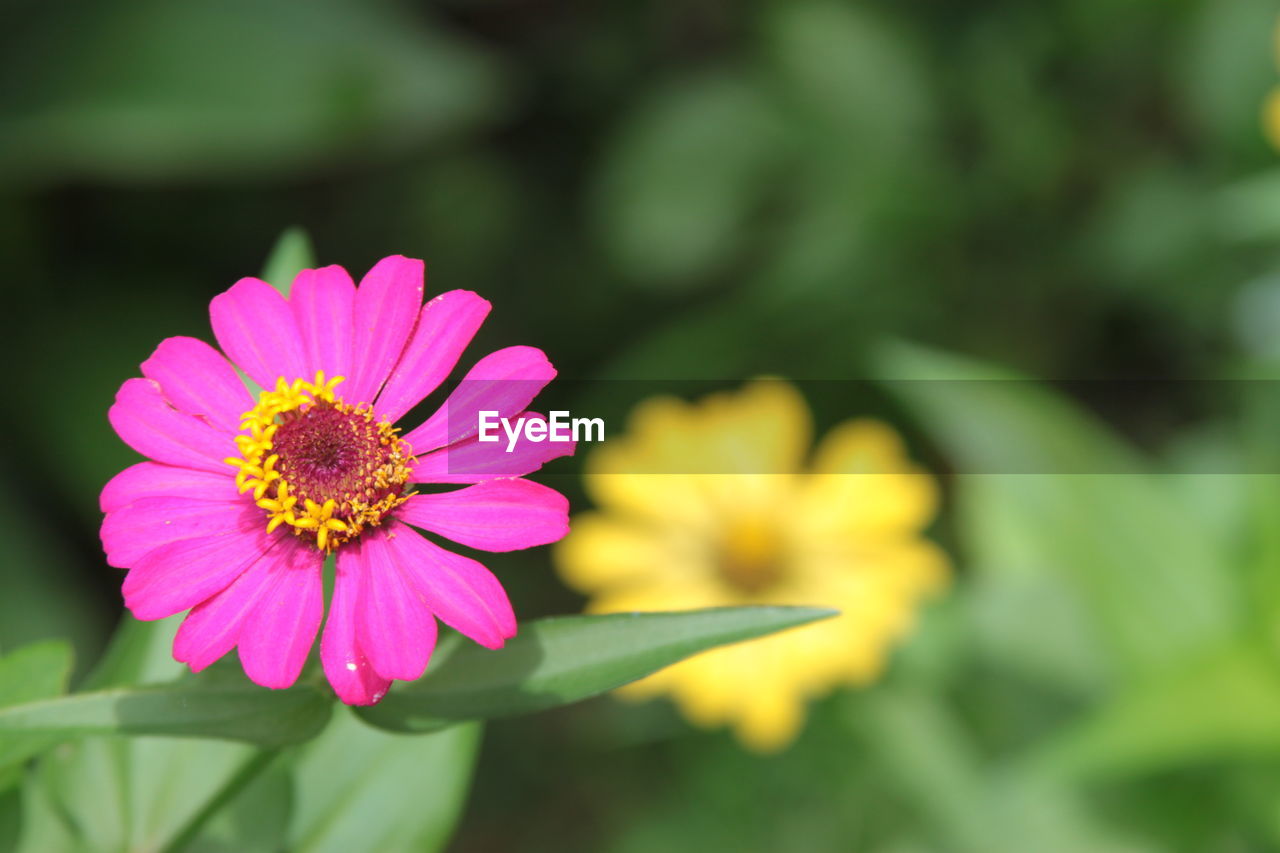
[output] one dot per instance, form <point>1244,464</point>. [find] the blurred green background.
<point>714,190</point>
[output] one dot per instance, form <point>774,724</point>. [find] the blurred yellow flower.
<point>1271,109</point>
<point>757,524</point>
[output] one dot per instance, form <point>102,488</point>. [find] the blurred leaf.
<point>684,176</point>
<point>256,820</point>
<point>1078,508</point>
<point>42,828</point>
<point>1151,225</point>
<point>150,90</point>
<point>1227,67</point>
<point>237,712</point>
<point>139,793</point>
<point>1218,706</point>
<point>10,820</point>
<point>81,790</point>
<point>1249,209</point>
<point>363,789</point>
<point>851,76</point>
<point>44,594</point>
<point>930,758</point>
<point>556,661</point>
<point>291,254</point>
<point>32,673</point>
<point>139,653</point>
<point>860,112</point>
<point>967,801</point>
<point>142,793</point>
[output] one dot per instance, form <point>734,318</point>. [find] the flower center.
<point>751,556</point>
<point>326,469</point>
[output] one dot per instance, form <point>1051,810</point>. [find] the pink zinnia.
<point>243,498</point>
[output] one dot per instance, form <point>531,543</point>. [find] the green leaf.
<point>1222,705</point>
<point>36,671</point>
<point>352,788</point>
<point>42,827</point>
<point>1052,501</point>
<point>139,653</point>
<point>152,91</point>
<point>1221,87</point>
<point>689,169</point>
<point>931,763</point>
<point>256,820</point>
<point>141,793</point>
<point>86,785</point>
<point>30,674</point>
<point>854,82</point>
<point>556,661</point>
<point>10,820</point>
<point>51,601</point>
<point>291,254</point>
<point>243,712</point>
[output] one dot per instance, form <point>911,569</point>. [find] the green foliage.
<point>1096,578</point>
<point>1075,188</point>
<point>350,785</point>
<point>1228,707</point>
<point>30,674</point>
<point>1052,499</point>
<point>561,660</point>
<point>292,252</point>
<point>162,792</point>
<point>237,712</point>
<point>233,96</point>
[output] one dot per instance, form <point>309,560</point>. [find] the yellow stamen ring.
<point>365,464</point>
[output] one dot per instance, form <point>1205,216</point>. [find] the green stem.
<point>237,783</point>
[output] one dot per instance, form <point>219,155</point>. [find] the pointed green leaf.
<point>291,254</point>
<point>231,712</point>
<point>561,660</point>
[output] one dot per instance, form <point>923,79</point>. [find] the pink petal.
<point>387,304</point>
<point>255,327</point>
<point>277,636</point>
<point>129,533</point>
<point>473,461</point>
<point>212,628</point>
<point>504,382</point>
<point>323,303</point>
<point>195,378</point>
<point>151,480</point>
<point>394,625</point>
<point>180,575</point>
<point>445,327</point>
<point>345,664</point>
<point>499,515</point>
<point>147,423</point>
<point>461,592</point>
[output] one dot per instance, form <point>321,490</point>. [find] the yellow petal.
<point>1271,118</point>
<point>602,552</point>
<point>763,429</point>
<point>770,721</point>
<point>683,463</point>
<point>863,486</point>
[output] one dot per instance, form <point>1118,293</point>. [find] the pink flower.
<point>242,499</point>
